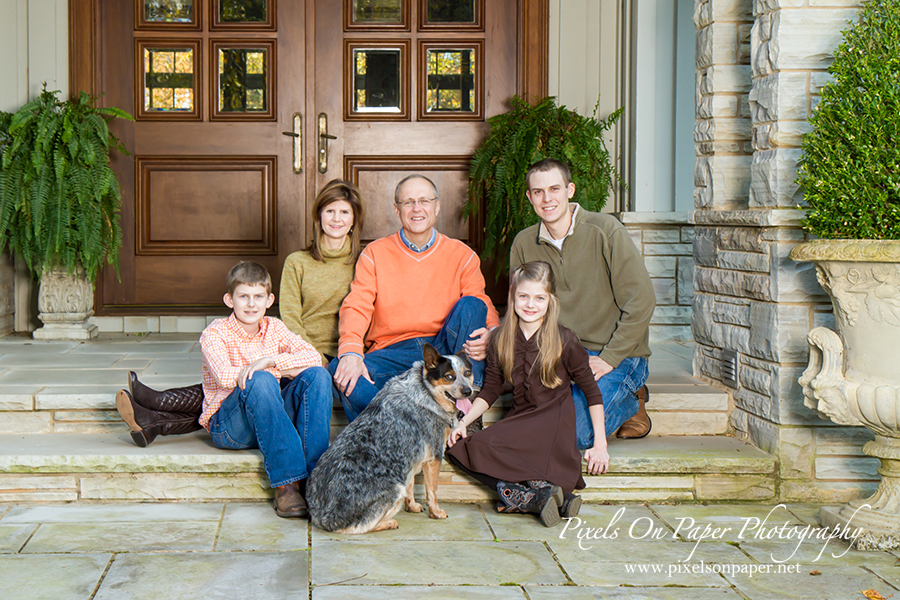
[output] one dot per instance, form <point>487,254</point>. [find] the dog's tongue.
<point>464,404</point>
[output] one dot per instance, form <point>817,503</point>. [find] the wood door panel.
<point>376,154</point>
<point>167,280</point>
<point>206,205</point>
<point>309,39</point>
<point>199,196</point>
<point>377,178</point>
<point>409,139</point>
<point>195,138</point>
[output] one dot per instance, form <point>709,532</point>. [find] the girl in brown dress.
<point>529,457</point>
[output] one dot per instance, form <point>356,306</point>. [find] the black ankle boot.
<point>544,501</point>
<point>146,424</point>
<point>186,400</point>
<point>570,506</point>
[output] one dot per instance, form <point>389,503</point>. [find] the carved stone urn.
<point>65,303</point>
<point>853,376</point>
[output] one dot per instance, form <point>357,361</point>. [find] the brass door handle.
<point>324,136</point>
<point>297,134</point>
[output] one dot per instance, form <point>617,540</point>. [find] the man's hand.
<point>476,346</point>
<point>348,371</point>
<point>597,459</point>
<point>247,372</point>
<point>458,433</point>
<point>599,367</point>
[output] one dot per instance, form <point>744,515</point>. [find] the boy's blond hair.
<point>248,272</point>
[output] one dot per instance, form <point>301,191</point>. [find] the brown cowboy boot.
<point>146,424</point>
<point>289,503</point>
<point>639,425</point>
<point>515,497</point>
<point>187,400</point>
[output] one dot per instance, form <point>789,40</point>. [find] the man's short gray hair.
<point>407,178</point>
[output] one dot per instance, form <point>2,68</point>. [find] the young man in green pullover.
<point>605,296</point>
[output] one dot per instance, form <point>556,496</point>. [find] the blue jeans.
<point>291,426</point>
<point>467,315</point>
<point>619,388</point>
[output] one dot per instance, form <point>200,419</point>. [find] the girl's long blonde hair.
<point>548,339</point>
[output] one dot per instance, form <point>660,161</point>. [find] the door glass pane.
<point>243,11</point>
<point>451,11</point>
<point>376,80</point>
<point>377,11</point>
<point>242,80</point>
<point>168,79</point>
<point>168,11</point>
<point>451,81</point>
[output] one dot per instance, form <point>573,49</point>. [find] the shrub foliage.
<point>850,168</point>
<point>59,199</point>
<point>521,137</point>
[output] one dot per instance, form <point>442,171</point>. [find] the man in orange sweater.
<point>413,287</point>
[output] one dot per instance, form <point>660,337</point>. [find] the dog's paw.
<point>413,507</point>
<point>437,513</point>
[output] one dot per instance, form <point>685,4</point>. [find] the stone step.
<point>679,405</point>
<point>682,405</point>
<point>106,467</point>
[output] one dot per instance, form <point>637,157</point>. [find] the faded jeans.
<point>290,426</point>
<point>467,315</point>
<point>619,388</point>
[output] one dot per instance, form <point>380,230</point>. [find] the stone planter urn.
<point>853,376</point>
<point>65,303</point>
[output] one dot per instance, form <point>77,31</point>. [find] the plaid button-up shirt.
<point>227,349</point>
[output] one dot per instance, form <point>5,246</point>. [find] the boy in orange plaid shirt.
<point>264,387</point>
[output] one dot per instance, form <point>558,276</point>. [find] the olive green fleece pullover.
<point>604,290</point>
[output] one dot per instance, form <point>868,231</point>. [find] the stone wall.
<point>7,294</point>
<point>664,239</point>
<point>749,296</point>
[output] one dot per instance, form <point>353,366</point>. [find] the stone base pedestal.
<point>65,302</point>
<point>880,530</point>
<point>66,331</point>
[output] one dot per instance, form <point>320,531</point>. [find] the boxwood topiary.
<point>850,167</point>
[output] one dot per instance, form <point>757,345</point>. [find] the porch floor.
<point>62,440</point>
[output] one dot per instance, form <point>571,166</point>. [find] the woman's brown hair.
<point>335,190</point>
<point>548,339</point>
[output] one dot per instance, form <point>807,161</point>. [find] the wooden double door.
<point>245,108</point>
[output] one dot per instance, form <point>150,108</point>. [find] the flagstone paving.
<point>185,551</point>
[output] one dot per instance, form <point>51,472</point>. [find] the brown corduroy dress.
<point>536,439</point>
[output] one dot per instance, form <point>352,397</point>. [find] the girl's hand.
<point>597,459</point>
<point>458,432</point>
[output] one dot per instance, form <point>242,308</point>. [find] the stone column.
<point>750,297</point>
<point>722,137</point>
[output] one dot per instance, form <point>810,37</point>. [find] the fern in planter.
<point>850,168</point>
<point>59,199</point>
<point>516,140</point>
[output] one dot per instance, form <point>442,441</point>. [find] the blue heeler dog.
<point>367,473</point>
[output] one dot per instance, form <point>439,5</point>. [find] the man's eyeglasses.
<point>423,202</point>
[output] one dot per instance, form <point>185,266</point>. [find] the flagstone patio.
<point>242,550</point>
